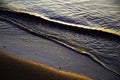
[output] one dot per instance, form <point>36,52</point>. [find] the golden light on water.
<point>82,23</point>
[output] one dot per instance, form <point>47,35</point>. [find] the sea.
<point>88,27</point>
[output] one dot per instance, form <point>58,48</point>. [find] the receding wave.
<point>80,38</point>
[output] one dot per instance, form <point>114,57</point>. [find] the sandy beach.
<point>13,68</point>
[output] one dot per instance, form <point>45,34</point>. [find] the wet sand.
<point>12,68</point>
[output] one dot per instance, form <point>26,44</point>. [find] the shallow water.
<point>89,27</point>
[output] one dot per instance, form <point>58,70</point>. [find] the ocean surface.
<point>89,27</point>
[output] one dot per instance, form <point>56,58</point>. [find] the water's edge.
<point>5,15</point>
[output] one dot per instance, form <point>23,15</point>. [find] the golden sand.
<point>13,68</point>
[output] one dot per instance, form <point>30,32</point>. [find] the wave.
<point>99,30</point>
<point>21,19</point>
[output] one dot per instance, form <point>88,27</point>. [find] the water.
<point>89,27</point>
